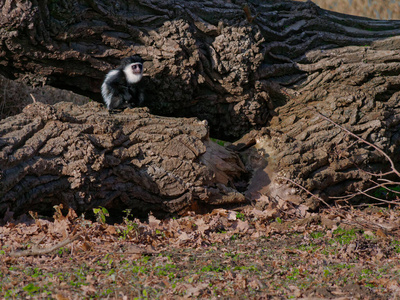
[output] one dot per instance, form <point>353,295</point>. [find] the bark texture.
<point>267,66</point>
<point>356,87</point>
<point>203,57</point>
<point>83,157</point>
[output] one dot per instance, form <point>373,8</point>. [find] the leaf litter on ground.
<point>276,250</point>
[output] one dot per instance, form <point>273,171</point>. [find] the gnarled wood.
<point>83,157</point>
<point>356,87</point>
<point>270,71</point>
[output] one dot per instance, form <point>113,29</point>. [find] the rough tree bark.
<point>84,157</point>
<point>256,65</point>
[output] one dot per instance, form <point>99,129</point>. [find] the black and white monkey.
<point>121,87</point>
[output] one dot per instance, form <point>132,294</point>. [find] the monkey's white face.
<point>133,72</point>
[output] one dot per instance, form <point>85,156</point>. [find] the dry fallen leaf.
<point>183,236</point>
<point>153,222</point>
<point>380,233</point>
<point>60,297</point>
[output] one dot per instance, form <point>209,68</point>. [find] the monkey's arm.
<point>137,93</point>
<point>141,97</point>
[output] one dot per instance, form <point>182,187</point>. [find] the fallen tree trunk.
<point>264,66</point>
<point>84,158</point>
<point>358,88</point>
<point>223,61</point>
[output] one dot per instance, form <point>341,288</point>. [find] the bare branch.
<point>394,170</point>
<point>37,251</point>
<point>384,185</point>
<point>380,200</point>
<point>307,191</point>
<point>348,197</point>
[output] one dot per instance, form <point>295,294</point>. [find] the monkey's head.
<point>133,68</point>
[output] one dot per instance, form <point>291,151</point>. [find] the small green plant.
<point>370,285</point>
<point>33,272</point>
<point>365,273</point>
<point>11,293</point>
<point>327,273</point>
<point>31,289</point>
<point>232,255</point>
<point>388,193</point>
<point>160,233</point>
<point>295,273</point>
<point>219,142</point>
<point>211,268</point>
<point>235,236</point>
<point>310,247</point>
<point>101,213</point>
<point>278,220</point>
<point>240,216</point>
<point>167,270</point>
<point>343,237</point>
<point>343,266</point>
<point>368,237</point>
<point>317,234</point>
<point>63,250</point>
<point>396,245</point>
<point>132,228</point>
<point>107,292</point>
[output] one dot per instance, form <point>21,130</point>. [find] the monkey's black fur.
<point>121,87</point>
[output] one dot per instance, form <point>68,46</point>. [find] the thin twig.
<point>380,151</point>
<point>379,199</point>
<point>377,174</point>
<point>371,204</point>
<point>307,191</point>
<point>33,98</point>
<point>37,251</point>
<point>394,170</point>
<point>391,182</point>
<point>382,185</point>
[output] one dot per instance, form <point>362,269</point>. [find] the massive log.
<point>263,65</point>
<point>357,88</point>
<point>204,58</point>
<point>84,157</point>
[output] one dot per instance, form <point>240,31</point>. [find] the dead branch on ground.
<point>40,251</point>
